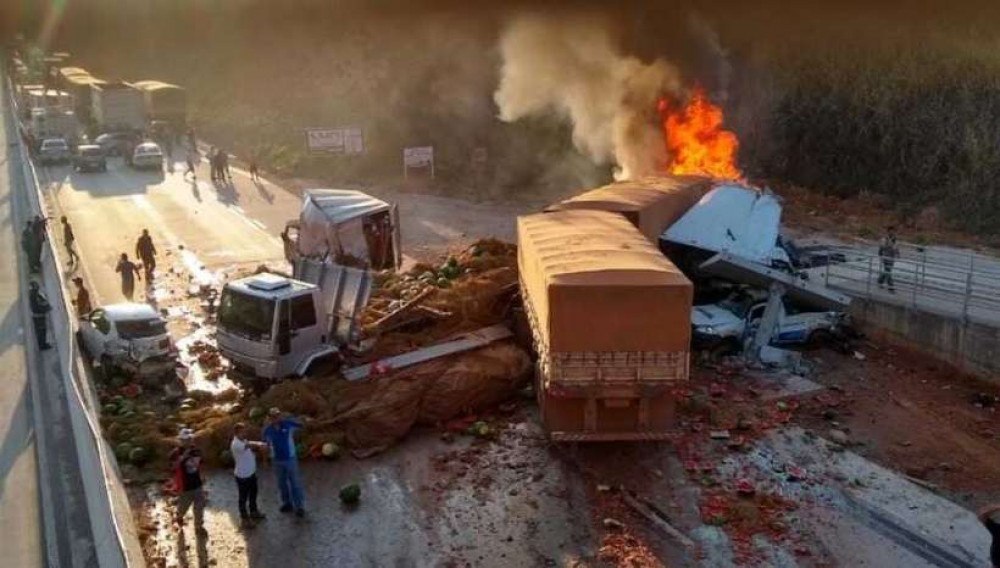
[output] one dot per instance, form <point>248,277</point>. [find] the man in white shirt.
<point>246,474</point>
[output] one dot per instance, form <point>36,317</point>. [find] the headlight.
<point>707,330</point>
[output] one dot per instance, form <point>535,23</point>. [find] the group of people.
<point>145,252</point>
<point>278,437</point>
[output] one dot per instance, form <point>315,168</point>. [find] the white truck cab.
<point>270,326</point>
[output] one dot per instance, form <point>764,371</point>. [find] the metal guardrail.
<point>951,282</point>
<point>104,492</point>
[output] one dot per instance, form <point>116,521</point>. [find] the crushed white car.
<point>131,338</point>
<point>724,327</point>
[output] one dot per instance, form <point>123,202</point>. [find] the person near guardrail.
<point>82,301</point>
<point>129,272</point>
<point>186,461</point>
<point>32,247</point>
<point>245,472</point>
<point>888,252</point>
<point>69,239</point>
<point>40,309</point>
<point>280,436</point>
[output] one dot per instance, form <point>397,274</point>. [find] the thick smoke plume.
<point>573,67</point>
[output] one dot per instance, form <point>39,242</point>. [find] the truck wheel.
<point>323,366</point>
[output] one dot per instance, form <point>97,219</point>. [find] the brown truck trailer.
<point>610,319</point>
<point>651,204</point>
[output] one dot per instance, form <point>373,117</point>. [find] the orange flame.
<point>696,142</point>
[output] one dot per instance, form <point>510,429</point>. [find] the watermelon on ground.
<point>350,494</point>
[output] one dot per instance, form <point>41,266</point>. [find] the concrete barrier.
<point>116,541</point>
<point>972,347</point>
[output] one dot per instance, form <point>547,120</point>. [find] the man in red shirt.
<point>186,462</point>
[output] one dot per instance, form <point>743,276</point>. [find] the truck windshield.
<point>138,329</point>
<point>246,315</point>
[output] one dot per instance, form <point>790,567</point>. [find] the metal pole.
<point>913,298</point>
<point>967,298</point>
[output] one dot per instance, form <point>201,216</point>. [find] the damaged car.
<point>723,327</point>
<point>131,339</point>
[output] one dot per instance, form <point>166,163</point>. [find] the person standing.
<point>213,163</point>
<point>186,462</point>
<point>69,239</point>
<point>40,309</point>
<point>32,247</point>
<point>246,475</point>
<point>129,272</point>
<point>39,224</point>
<point>224,172</point>
<point>888,252</point>
<point>280,436</point>
<point>146,251</point>
<point>82,301</point>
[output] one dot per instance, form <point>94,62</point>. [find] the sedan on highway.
<point>90,158</point>
<point>147,156</point>
<point>54,151</point>
<point>129,338</point>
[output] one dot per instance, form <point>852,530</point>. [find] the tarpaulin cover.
<point>595,284</point>
<point>163,100</point>
<point>651,204</point>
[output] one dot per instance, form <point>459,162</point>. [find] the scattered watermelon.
<point>109,408</point>
<point>122,451</point>
<point>331,451</point>
<point>256,413</point>
<point>350,494</point>
<point>138,456</point>
<point>480,429</point>
<point>443,283</point>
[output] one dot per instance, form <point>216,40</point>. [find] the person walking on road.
<point>280,436</point>
<point>82,301</point>
<point>146,251</point>
<point>32,247</point>
<point>186,463</point>
<point>888,252</point>
<point>213,163</point>
<point>224,172</point>
<point>191,160</point>
<point>246,475</point>
<point>69,239</point>
<point>254,168</point>
<point>40,309</point>
<point>129,272</point>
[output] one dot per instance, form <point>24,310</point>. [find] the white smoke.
<point>572,67</point>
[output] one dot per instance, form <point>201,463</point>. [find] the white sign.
<point>349,140</point>
<point>419,157</point>
<point>329,140</point>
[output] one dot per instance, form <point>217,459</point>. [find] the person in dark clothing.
<point>224,172</point>
<point>32,247</point>
<point>279,435</point>
<point>40,309</point>
<point>192,160</point>
<point>888,252</point>
<point>192,140</point>
<point>68,240</point>
<point>40,224</point>
<point>82,301</point>
<point>129,272</point>
<point>213,163</point>
<point>254,169</point>
<point>186,462</point>
<point>146,252</point>
<point>245,472</point>
<point>988,516</point>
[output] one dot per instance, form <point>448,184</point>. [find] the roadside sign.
<point>418,157</point>
<point>348,140</point>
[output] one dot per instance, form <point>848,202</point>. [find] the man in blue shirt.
<point>279,435</point>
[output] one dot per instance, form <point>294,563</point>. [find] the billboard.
<point>345,141</point>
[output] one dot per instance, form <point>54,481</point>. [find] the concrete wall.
<point>970,346</point>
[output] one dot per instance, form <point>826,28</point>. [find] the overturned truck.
<point>610,321</point>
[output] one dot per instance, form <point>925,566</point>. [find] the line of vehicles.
<point>70,116</point>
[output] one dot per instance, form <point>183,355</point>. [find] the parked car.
<point>147,156</point>
<point>54,151</point>
<point>723,327</point>
<point>117,143</point>
<point>90,158</point>
<point>129,338</point>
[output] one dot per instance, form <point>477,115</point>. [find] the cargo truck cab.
<point>271,326</point>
